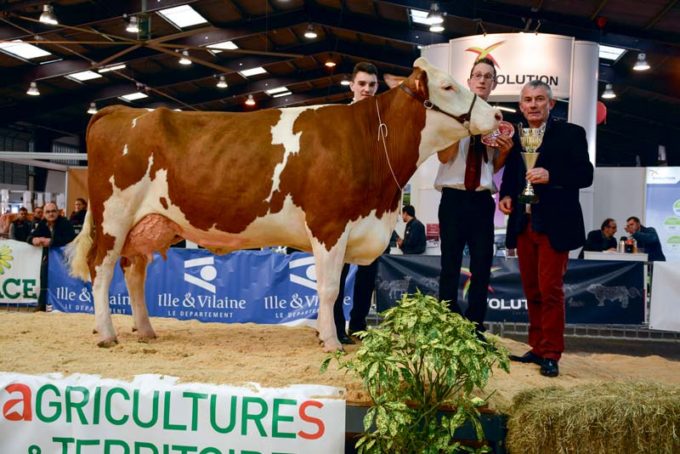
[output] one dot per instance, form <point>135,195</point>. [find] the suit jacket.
<point>414,238</point>
<point>564,153</point>
<point>61,235</point>
<point>648,240</point>
<point>595,241</point>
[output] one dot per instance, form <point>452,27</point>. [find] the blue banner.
<point>595,291</point>
<point>242,287</point>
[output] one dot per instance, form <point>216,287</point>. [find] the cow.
<point>324,179</point>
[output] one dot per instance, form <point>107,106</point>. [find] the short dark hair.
<point>486,61</point>
<point>81,200</point>
<point>634,218</point>
<point>408,209</point>
<point>605,223</point>
<point>539,84</point>
<point>366,67</point>
<point>23,209</point>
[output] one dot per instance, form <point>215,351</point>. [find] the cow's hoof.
<point>146,338</point>
<point>134,329</point>
<point>94,331</point>
<point>108,343</point>
<point>332,346</point>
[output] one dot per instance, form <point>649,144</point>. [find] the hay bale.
<point>596,418</point>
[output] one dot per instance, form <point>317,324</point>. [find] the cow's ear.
<point>393,81</point>
<point>421,83</point>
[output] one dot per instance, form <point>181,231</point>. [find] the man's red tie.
<point>473,165</point>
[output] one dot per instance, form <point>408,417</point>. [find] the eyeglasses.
<point>479,76</point>
<point>50,211</point>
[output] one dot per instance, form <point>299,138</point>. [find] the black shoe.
<point>528,357</point>
<point>549,368</point>
<point>345,339</point>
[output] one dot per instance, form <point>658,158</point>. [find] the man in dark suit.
<point>647,239</point>
<point>601,240</point>
<point>545,232</point>
<point>415,241</point>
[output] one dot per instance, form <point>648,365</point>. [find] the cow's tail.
<point>79,249</point>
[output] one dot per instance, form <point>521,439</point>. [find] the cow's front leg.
<point>328,269</point>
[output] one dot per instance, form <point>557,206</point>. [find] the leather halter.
<point>463,119</point>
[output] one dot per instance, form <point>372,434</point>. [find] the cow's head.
<point>453,111</point>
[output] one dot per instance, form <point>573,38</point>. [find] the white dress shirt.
<point>452,173</point>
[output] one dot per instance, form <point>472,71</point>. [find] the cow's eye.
<point>448,88</point>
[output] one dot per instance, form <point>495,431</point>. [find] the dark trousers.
<point>364,285</point>
<point>542,270</point>
<point>466,217</point>
<point>363,292</point>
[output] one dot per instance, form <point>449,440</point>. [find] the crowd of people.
<point>47,229</point>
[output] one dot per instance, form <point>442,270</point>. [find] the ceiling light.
<point>419,17</point>
<point>33,90</point>
<point>107,69</point>
<point>641,63</point>
<point>437,28</point>
<point>608,92</point>
<point>134,96</point>
<point>434,17</point>
<point>184,60</point>
<point>216,48</point>
<point>133,25</point>
<point>222,83</point>
<point>250,101</point>
<point>18,48</point>
<point>507,109</point>
<point>611,53</point>
<point>345,82</point>
<point>93,109</point>
<point>279,95</point>
<point>310,33</point>
<point>182,16</point>
<point>330,64</point>
<point>48,16</point>
<point>84,75</point>
<point>274,91</point>
<point>253,71</point>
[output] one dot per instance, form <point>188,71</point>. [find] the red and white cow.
<point>315,178</point>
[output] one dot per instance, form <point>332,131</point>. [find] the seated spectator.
<point>647,239</point>
<point>601,240</point>
<point>77,218</point>
<point>414,236</point>
<point>21,227</point>
<point>37,216</point>
<point>53,231</point>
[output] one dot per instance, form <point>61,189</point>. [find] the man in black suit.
<point>601,240</point>
<point>545,232</point>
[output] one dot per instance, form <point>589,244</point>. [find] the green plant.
<point>421,359</point>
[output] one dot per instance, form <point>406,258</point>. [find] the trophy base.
<point>527,198</point>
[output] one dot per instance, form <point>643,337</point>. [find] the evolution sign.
<point>519,58</point>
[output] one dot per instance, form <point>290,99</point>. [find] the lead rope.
<point>382,134</point>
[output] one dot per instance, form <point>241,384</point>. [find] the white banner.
<point>155,415</point>
<point>663,309</point>
<point>19,272</point>
<point>519,58</point>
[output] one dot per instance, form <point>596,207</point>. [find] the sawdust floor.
<point>274,356</point>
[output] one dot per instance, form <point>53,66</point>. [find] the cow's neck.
<point>404,119</point>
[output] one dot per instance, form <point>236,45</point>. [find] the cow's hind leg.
<point>135,275</point>
<point>102,275</point>
<point>328,269</point>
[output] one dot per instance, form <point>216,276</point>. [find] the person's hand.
<point>504,144</point>
<point>511,252</point>
<point>505,205</point>
<point>538,175</point>
<point>399,242</point>
<point>629,229</point>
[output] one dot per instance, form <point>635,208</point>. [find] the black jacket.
<point>648,240</point>
<point>414,238</point>
<point>564,153</point>
<point>19,230</point>
<point>61,235</point>
<point>596,241</point>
